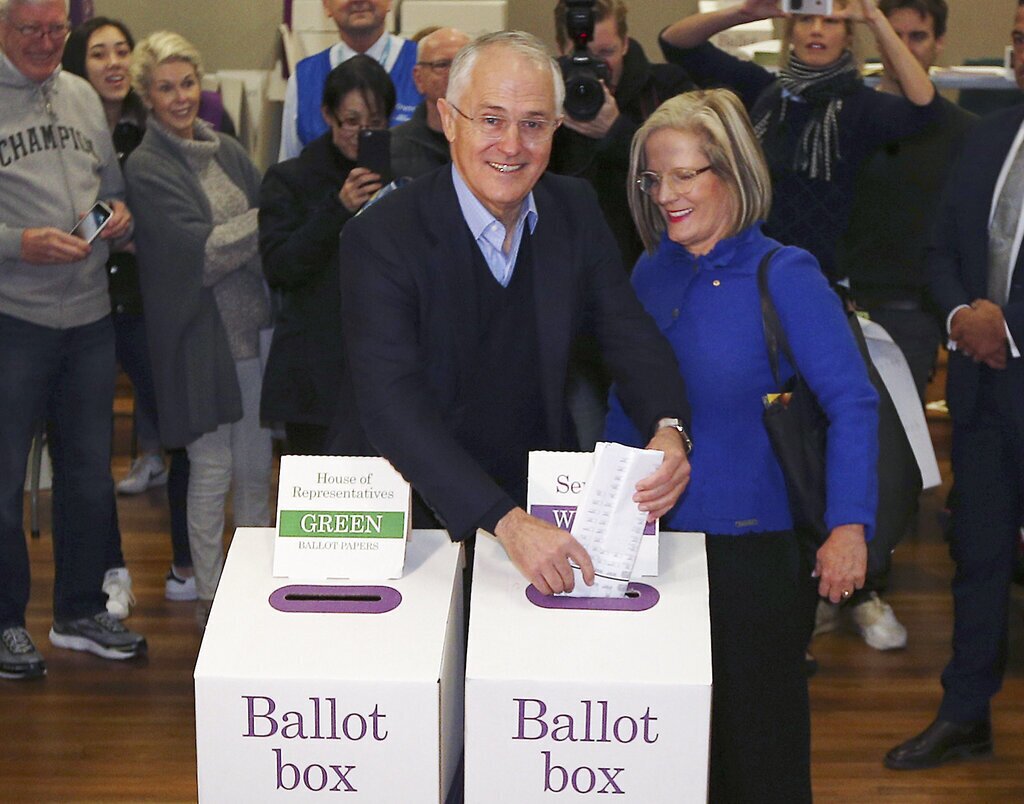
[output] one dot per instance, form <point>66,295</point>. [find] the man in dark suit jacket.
<point>461,297</point>
<point>977,279</point>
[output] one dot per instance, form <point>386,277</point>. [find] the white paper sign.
<point>557,481</point>
<point>340,517</point>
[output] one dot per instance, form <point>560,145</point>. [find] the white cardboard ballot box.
<point>300,693</point>
<point>589,703</point>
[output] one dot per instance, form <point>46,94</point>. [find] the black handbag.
<point>798,429</point>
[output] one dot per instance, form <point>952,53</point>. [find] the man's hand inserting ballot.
<point>542,552</point>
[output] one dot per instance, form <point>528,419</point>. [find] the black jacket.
<point>415,148</point>
<point>605,162</point>
<point>300,219</point>
<point>412,328</point>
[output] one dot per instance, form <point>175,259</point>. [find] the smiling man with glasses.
<point>56,336</point>
<point>462,297</point>
<point>419,145</point>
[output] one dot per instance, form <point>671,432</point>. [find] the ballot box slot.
<point>334,599</point>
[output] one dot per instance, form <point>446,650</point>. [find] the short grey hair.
<point>159,48</point>
<point>718,119</point>
<point>7,5</point>
<point>521,42</point>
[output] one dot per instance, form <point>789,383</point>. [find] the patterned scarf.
<point>823,88</point>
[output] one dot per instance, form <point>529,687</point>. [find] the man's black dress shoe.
<point>941,742</point>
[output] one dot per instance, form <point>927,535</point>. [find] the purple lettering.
<point>343,778</point>
<point>578,773</point>
<point>548,769</point>
<point>633,727</point>
<point>252,715</point>
<point>541,710</point>
<point>292,768</point>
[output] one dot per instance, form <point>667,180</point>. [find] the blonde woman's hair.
<point>718,119</point>
<point>159,48</point>
<point>786,36</point>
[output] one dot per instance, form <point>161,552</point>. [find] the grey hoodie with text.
<point>56,161</point>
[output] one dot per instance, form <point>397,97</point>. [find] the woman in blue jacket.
<point>701,190</point>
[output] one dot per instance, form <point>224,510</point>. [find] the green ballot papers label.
<point>340,517</point>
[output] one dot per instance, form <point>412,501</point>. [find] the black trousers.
<point>988,467</point>
<point>762,601</point>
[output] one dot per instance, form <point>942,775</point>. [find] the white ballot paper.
<point>608,523</point>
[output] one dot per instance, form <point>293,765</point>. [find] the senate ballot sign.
<point>340,517</point>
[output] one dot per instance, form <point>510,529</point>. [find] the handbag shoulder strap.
<point>774,334</point>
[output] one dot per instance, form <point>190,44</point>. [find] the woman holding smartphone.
<point>205,299</point>
<point>304,204</point>
<point>816,120</point>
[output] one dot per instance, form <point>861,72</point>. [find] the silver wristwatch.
<point>677,425</point>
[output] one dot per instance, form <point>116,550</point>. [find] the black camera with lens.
<point>583,74</point>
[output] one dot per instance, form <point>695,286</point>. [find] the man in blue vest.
<point>361,28</point>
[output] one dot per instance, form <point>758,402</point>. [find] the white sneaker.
<point>147,471</point>
<point>826,617</point>
<point>878,624</point>
<point>178,588</point>
<point>117,583</point>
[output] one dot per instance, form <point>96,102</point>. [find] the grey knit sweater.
<point>231,264</point>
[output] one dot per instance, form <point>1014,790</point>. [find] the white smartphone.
<point>823,7</point>
<point>94,221</point>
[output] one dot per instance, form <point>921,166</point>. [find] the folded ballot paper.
<point>608,523</point>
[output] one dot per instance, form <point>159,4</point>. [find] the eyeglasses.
<point>353,122</point>
<point>532,130</point>
<point>679,179</point>
<point>439,66</point>
<point>39,31</point>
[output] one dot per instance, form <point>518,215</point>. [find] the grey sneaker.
<point>19,658</point>
<point>101,634</point>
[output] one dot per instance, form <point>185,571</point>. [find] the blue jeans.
<point>67,378</point>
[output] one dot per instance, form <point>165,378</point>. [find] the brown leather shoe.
<point>943,741</point>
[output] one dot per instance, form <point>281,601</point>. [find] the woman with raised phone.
<point>816,119</point>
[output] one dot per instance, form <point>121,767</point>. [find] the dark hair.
<point>365,75</point>
<point>936,9</point>
<point>77,47</point>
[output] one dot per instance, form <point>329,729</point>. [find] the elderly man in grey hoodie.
<point>56,339</point>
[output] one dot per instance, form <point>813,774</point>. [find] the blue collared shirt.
<point>489,232</point>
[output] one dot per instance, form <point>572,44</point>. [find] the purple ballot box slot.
<point>336,599</point>
<point>639,597</point>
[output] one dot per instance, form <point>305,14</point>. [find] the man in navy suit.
<point>462,295</point>
<point>977,279</point>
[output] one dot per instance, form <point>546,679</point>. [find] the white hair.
<point>7,5</point>
<point>520,42</point>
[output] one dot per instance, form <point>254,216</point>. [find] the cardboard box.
<point>589,702</point>
<point>294,704</point>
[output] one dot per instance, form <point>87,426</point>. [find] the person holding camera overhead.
<point>304,204</point>
<point>817,121</point>
<point>205,299</point>
<point>593,143</point>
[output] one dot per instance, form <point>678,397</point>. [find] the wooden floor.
<point>99,731</point>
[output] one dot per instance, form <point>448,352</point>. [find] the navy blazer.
<point>957,255</point>
<point>410,322</point>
